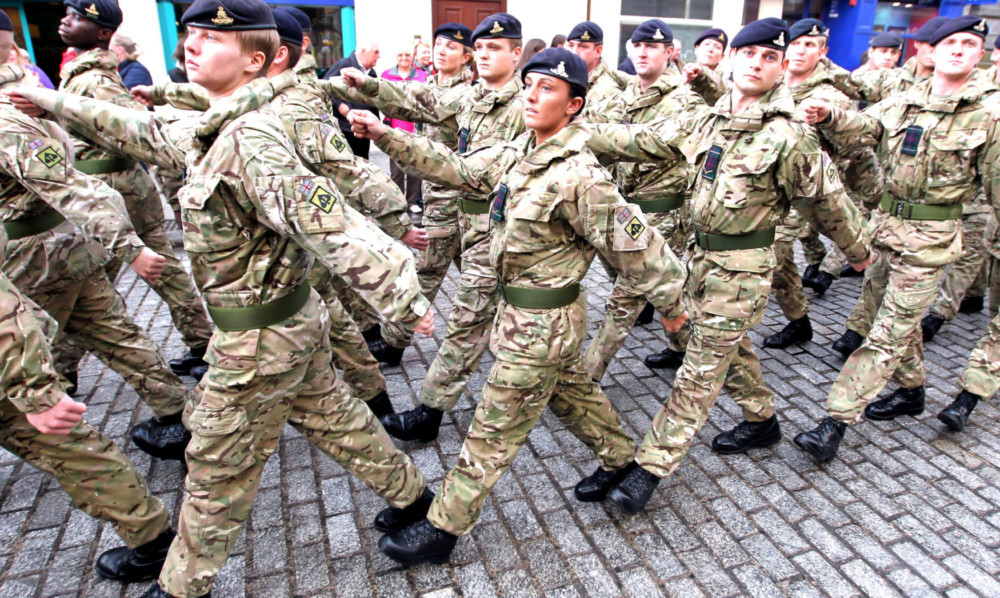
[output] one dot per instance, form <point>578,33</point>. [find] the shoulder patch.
<point>317,195</point>
<point>49,157</point>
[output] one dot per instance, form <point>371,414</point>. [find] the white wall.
<point>770,8</point>
<point>547,18</point>
<point>392,23</point>
<point>142,24</point>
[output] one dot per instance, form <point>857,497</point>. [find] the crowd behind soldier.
<point>690,182</point>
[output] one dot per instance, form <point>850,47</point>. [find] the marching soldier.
<point>709,49</point>
<point>586,40</point>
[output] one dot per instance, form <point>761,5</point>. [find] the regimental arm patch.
<point>322,199</point>
<point>631,233</point>
<point>635,228</point>
<point>49,157</point>
<point>338,143</point>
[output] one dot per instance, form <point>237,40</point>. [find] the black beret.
<point>963,24</point>
<point>714,34</point>
<point>653,30</point>
<point>927,29</point>
<point>810,27</point>
<point>289,29</point>
<point>455,32</point>
<point>305,21</point>
<point>886,40</point>
<point>498,25</point>
<point>562,64</point>
<point>769,32</point>
<point>587,31</point>
<point>105,13</point>
<point>229,15</point>
<point>5,23</point>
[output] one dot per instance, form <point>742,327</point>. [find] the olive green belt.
<point>539,298</point>
<point>914,211</point>
<point>33,225</point>
<point>104,166</point>
<point>235,319</point>
<point>472,206</point>
<point>754,240</point>
<point>663,204</point>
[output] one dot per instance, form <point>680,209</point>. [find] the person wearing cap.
<point>88,27</point>
<point>586,40</point>
<point>883,52</point>
<point>754,158</point>
<point>552,205</point>
<point>939,141</point>
<point>481,116</point>
<point>251,207</point>
<point>659,191</point>
<point>710,47</point>
<point>807,77</point>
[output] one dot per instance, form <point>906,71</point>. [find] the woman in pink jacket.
<point>405,70</point>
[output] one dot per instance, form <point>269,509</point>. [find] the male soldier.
<point>88,27</point>
<point>754,159</point>
<point>709,49</point>
<point>60,267</point>
<point>940,144</point>
<point>656,92</point>
<point>484,115</point>
<point>586,40</point>
<point>884,51</point>
<point>254,217</point>
<point>806,77</point>
<point>552,206</point>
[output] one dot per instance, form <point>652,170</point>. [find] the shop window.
<point>670,9</point>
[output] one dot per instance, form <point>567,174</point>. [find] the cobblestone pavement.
<point>907,509</point>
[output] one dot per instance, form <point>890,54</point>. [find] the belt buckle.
<point>697,237</point>
<point>899,209</point>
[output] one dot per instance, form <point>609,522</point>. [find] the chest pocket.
<point>529,225</point>
<point>952,156</point>
<point>747,179</point>
<point>208,226</point>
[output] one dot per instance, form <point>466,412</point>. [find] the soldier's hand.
<point>675,324</point>
<point>149,265</point>
<point>23,104</point>
<point>426,324</point>
<point>353,77</point>
<point>691,71</point>
<point>60,419</point>
<point>416,238</point>
<point>143,95</point>
<point>862,266</point>
<point>814,111</point>
<point>364,124</point>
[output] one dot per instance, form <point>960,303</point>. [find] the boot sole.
<point>765,442</point>
<point>777,345</point>
<point>881,418</point>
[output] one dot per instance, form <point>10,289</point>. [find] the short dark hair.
<point>294,54</point>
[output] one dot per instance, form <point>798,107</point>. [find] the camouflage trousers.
<point>93,314</point>
<point>898,294</point>
<point>626,303</point>
<point>982,373</point>
<point>444,249</point>
<point>992,279</point>
<point>347,345</point>
<point>787,284</point>
<point>962,275</point>
<point>719,355</point>
<point>538,364</point>
<point>235,425</point>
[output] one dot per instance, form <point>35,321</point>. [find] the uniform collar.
<point>251,96</point>
<point>464,75</point>
<point>305,65</point>
<point>491,98</point>
<point>971,91</point>
<point>89,60</point>
<point>567,142</point>
<point>597,73</point>
<point>820,75</point>
<point>777,101</point>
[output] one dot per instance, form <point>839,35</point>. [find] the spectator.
<point>178,74</point>
<point>558,41</point>
<point>363,58</point>
<point>534,46</point>
<point>405,70</point>
<point>422,56</point>
<point>32,73</point>
<point>132,71</point>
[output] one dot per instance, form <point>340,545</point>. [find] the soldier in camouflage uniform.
<point>88,27</point>
<point>709,49</point>
<point>483,116</point>
<point>754,159</point>
<point>657,92</point>
<point>254,220</point>
<point>939,143</point>
<point>552,206</point>
<point>60,268</point>
<point>586,40</point>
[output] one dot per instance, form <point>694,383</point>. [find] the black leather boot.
<point>373,333</point>
<point>665,359</point>
<point>632,493</point>
<point>971,305</point>
<point>155,592</point>
<point>135,564</point>
<point>848,343</point>
<point>747,435</point>
<point>386,353</point>
<point>903,401</point>
<point>72,378</point>
<point>646,315</point>
<point>848,271</point>
<point>380,405</point>
<point>393,519</point>
<point>419,543</point>
<point>162,437</point>
<point>956,415</point>
<point>198,372</point>
<point>823,442</point>
<point>794,333</point>
<point>595,487</point>
<point>421,423</point>
<point>930,325</point>
<point>819,283</point>
<point>194,357</point>
<point>809,274</point>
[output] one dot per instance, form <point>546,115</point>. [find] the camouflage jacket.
<point>602,85</point>
<point>751,167</point>
<point>253,215</point>
<point>94,74</point>
<point>873,86</point>
<point>37,175</point>
<point>552,205</point>
<point>711,84</point>
<point>668,97</point>
<point>946,163</point>
<point>321,148</point>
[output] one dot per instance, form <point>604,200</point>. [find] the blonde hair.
<point>260,40</point>
<point>126,43</point>
<point>417,43</point>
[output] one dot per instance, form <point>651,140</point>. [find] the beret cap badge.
<point>815,31</point>
<point>92,11</point>
<point>586,36</point>
<point>560,70</point>
<point>222,18</point>
<point>781,40</point>
<point>658,34</point>
<point>496,28</point>
<point>981,26</point>
<point>458,35</point>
